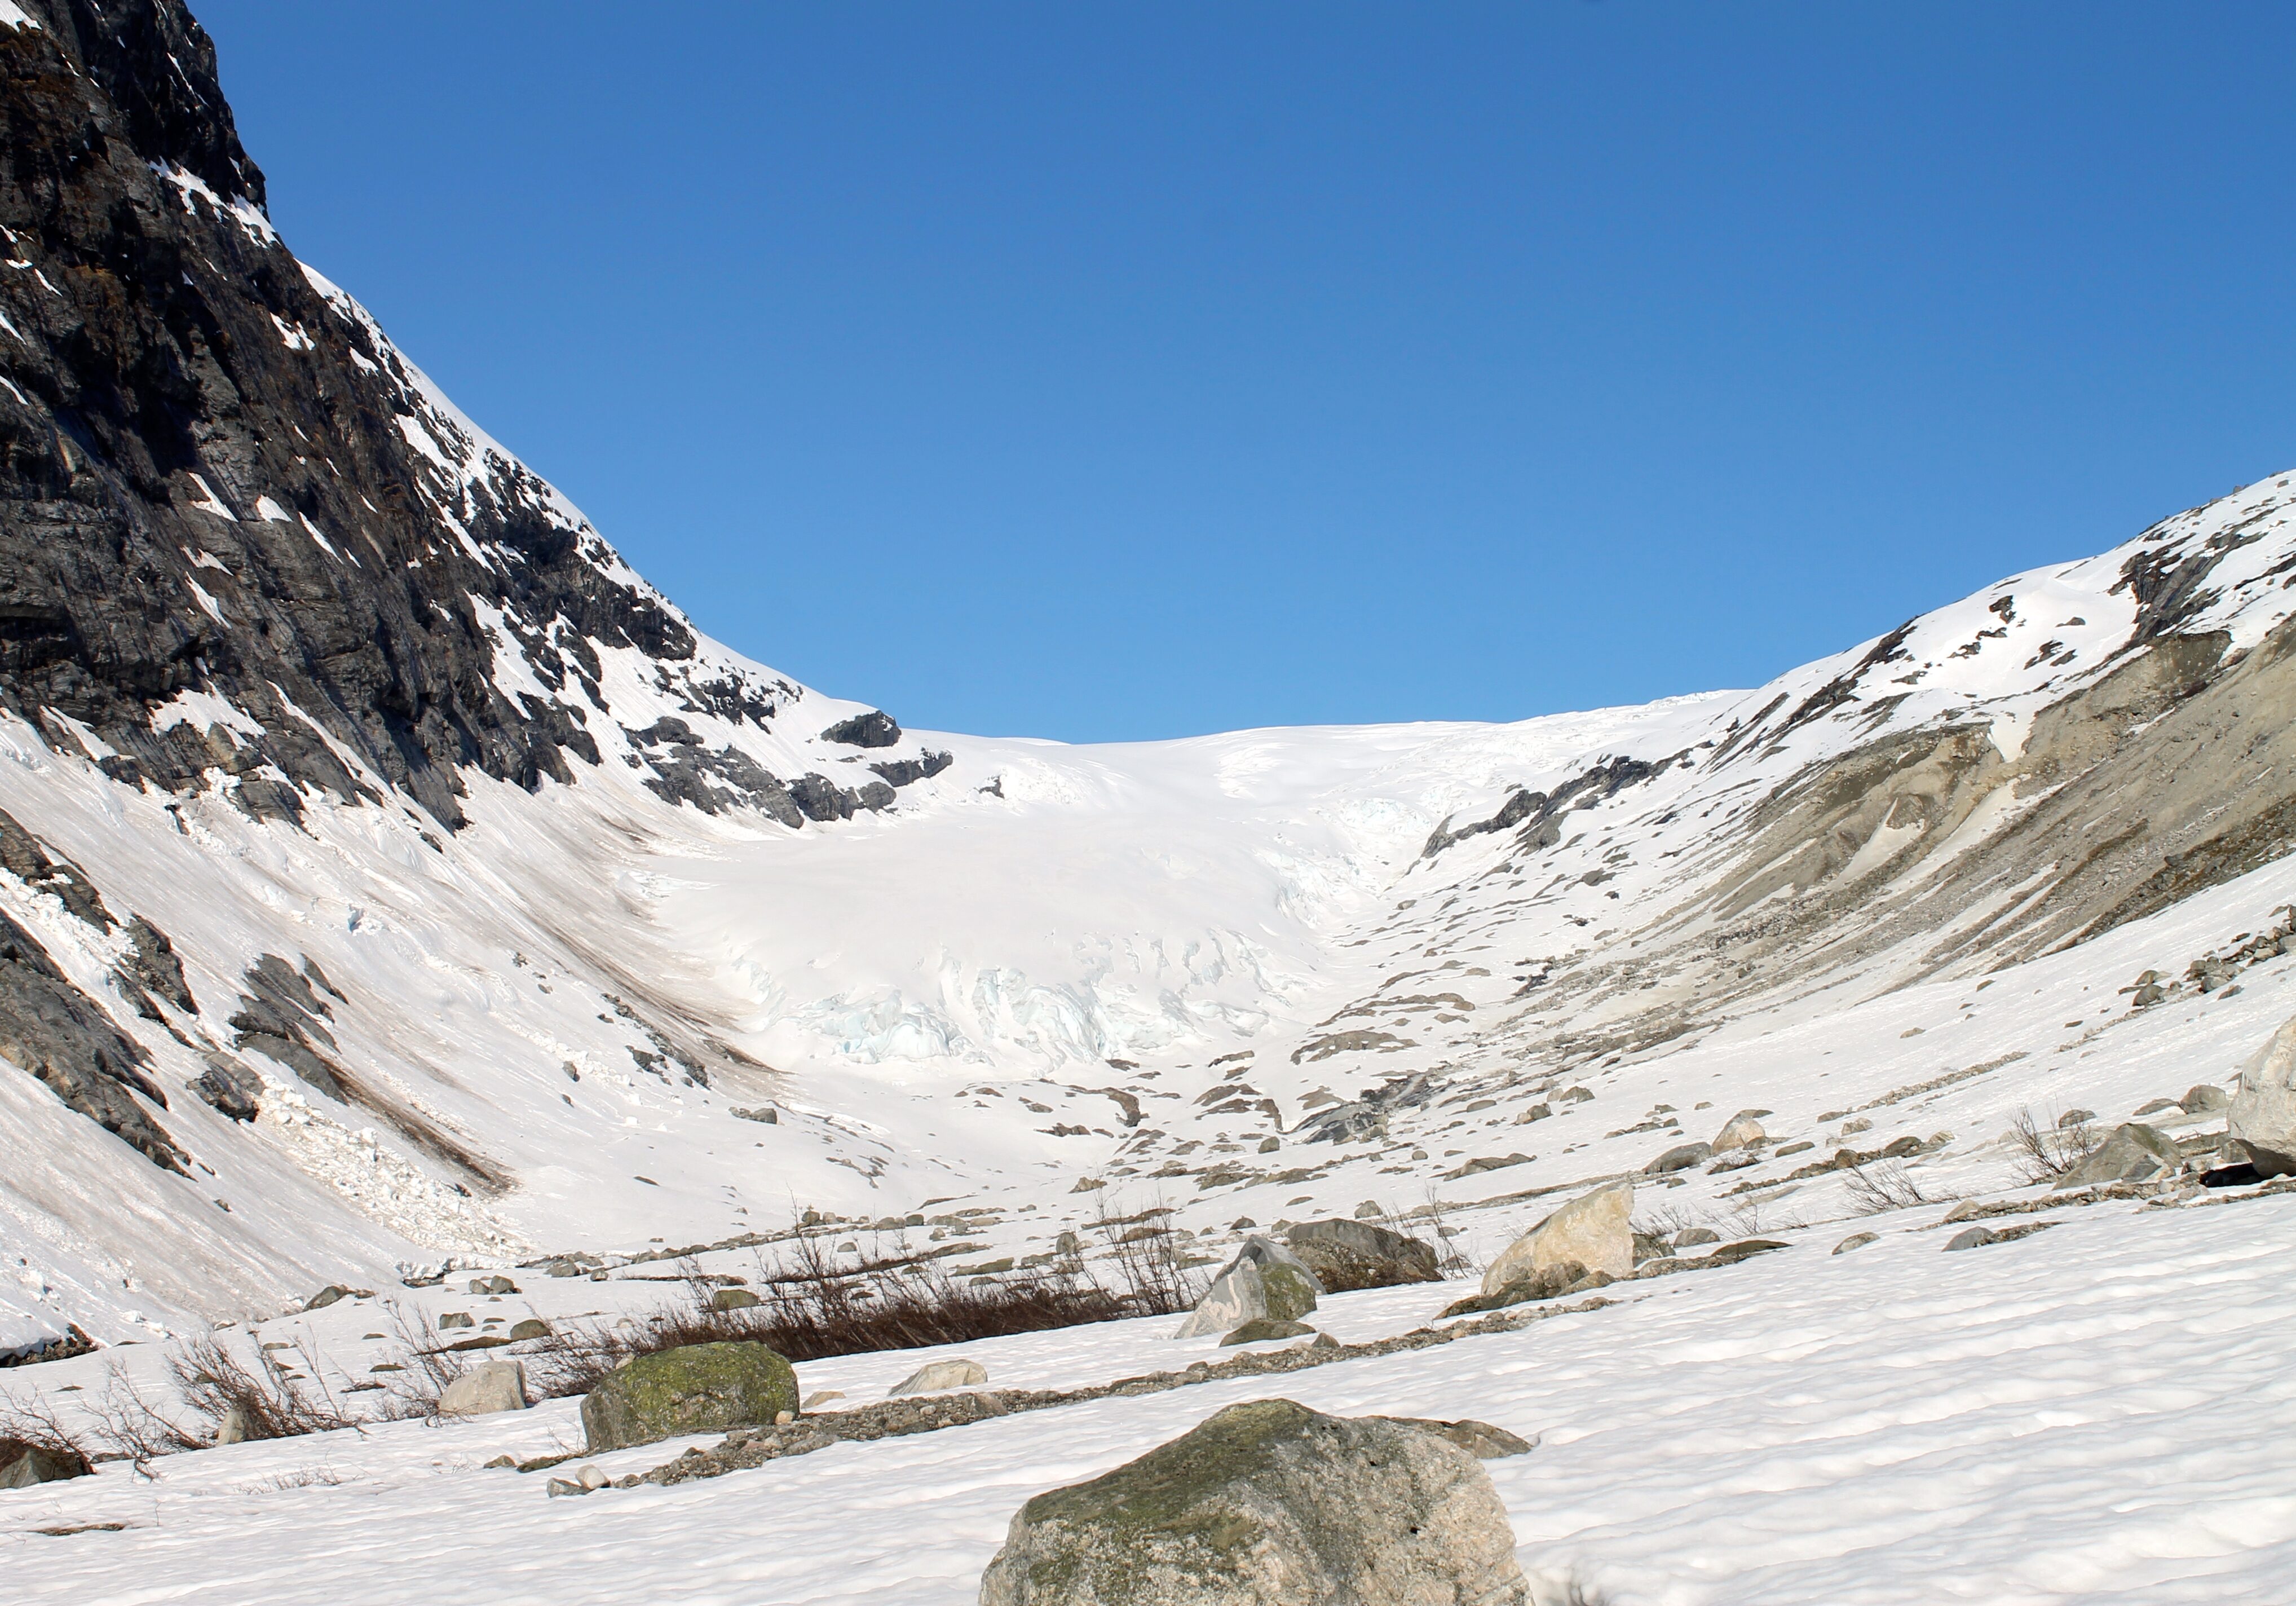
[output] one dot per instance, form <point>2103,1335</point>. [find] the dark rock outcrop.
<point>218,478</point>
<point>874,729</point>
<point>66,1039</point>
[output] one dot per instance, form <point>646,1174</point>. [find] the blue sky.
<point>1117,371</point>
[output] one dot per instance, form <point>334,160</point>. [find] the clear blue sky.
<point>1112,370</point>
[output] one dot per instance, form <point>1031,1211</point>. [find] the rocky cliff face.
<point>217,479</point>
<point>248,550</point>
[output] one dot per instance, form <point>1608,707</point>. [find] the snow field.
<point>2096,1414</point>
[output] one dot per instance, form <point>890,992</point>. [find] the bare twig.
<point>1878,1190</point>
<point>2046,1153</point>
<point>264,1399</point>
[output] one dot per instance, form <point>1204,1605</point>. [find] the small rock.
<point>1541,1283</point>
<point>1537,1113</point>
<point>1479,1439</point>
<point>326,1295</point>
<point>1856,1241</point>
<point>232,1428</point>
<point>2133,1153</point>
<point>590,1477</point>
<point>1259,1330</point>
<point>2074,1118</point>
<point>820,1397</point>
<point>1086,1184</point>
<point>2205,1100</point>
<point>1745,1248</point>
<point>560,1487</point>
<point>493,1285</point>
<point>1266,1504</point>
<point>1963,1211</point>
<point>23,1463</point>
<point>456,1318</point>
<point>489,1386</point>
<point>1970,1238</point>
<point>1739,1131</point>
<point>533,1327</point>
<point>1688,1236</point>
<point>733,1299</point>
<point>2152,1106</point>
<point>1861,1124</point>
<point>1804,1147</point>
<point>1369,1210</point>
<point>942,1375</point>
<point>499,1461</point>
<point>1680,1158</point>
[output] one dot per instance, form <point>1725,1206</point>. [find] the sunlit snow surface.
<point>2096,1414</point>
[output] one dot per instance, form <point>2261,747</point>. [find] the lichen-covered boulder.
<point>1347,1255</point>
<point>23,1463</point>
<point>1264,1279</point>
<point>1594,1229</point>
<point>2261,1121</point>
<point>1269,1504</point>
<point>696,1389</point>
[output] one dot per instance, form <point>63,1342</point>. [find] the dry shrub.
<point>2045,1153</point>
<point>813,1307</point>
<point>129,1428</point>
<point>1878,1190</point>
<point>32,1420</point>
<point>1145,1255</point>
<point>270,1404</point>
<point>429,1367</point>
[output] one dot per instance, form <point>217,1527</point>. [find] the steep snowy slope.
<point>388,875</point>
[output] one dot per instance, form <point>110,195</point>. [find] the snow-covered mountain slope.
<point>388,874</point>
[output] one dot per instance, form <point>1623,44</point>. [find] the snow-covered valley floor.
<point>2097,1412</point>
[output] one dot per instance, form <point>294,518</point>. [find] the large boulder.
<point>489,1386</point>
<point>1347,1255</point>
<point>1269,1504</point>
<point>696,1389</point>
<point>1264,1279</point>
<point>1593,1229</point>
<point>2261,1121</point>
<point>2134,1152</point>
<point>23,1463</point>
